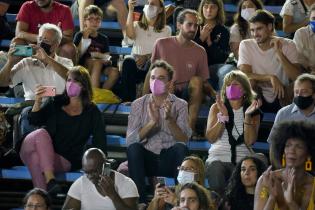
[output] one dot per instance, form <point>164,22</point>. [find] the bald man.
<point>96,190</point>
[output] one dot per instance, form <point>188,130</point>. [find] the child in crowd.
<point>94,49</point>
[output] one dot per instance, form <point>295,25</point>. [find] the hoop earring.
<point>283,161</point>
<point>308,164</point>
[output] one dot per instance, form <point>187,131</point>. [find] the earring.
<point>308,164</point>
<point>283,161</point>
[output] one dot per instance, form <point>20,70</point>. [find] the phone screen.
<point>106,169</point>
<point>23,50</point>
<point>161,180</point>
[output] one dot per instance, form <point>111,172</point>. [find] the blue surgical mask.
<point>312,24</point>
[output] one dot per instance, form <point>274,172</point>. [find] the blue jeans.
<point>142,162</point>
<point>25,125</point>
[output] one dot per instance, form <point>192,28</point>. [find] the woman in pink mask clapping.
<point>232,128</point>
<point>66,122</point>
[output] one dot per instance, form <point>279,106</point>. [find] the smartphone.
<point>23,50</point>
<point>106,169</point>
<point>49,91</point>
<point>161,180</point>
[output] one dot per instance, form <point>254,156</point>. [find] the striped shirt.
<point>162,138</point>
<point>221,149</point>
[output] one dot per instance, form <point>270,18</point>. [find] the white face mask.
<point>150,11</point>
<point>185,177</point>
<point>247,13</point>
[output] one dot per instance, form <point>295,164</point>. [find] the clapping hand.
<point>205,31</point>
<point>167,105</point>
<point>222,108</point>
<point>154,114</point>
<point>288,187</point>
<point>253,107</point>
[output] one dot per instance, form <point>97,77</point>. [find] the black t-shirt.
<point>99,43</point>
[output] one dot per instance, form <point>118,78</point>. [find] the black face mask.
<point>303,102</point>
<point>46,47</point>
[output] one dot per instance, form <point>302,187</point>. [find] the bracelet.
<point>222,119</point>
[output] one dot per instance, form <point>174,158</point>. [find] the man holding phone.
<point>45,67</point>
<point>100,187</point>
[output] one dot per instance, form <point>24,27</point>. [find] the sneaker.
<point>53,188</point>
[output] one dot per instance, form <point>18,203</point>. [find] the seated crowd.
<point>178,73</point>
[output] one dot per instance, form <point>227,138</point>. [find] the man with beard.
<point>303,106</point>
<point>35,13</point>
<point>189,61</point>
<point>270,62</point>
<point>99,190</point>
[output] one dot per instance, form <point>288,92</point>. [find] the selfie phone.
<point>106,169</point>
<point>23,50</point>
<point>161,180</point>
<point>49,91</point>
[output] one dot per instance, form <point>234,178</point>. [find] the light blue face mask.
<point>312,24</point>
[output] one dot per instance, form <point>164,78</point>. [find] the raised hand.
<point>288,187</point>
<point>222,108</point>
<point>205,32</point>
<point>159,191</point>
<point>167,105</point>
<point>39,92</point>
<point>253,107</point>
<point>132,4</point>
<point>153,112</point>
<point>277,86</point>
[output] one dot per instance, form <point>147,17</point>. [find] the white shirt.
<point>304,39</point>
<point>266,62</point>
<point>295,9</point>
<point>32,72</point>
<point>145,39</point>
<point>85,191</point>
<point>221,149</point>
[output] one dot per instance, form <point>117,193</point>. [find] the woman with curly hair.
<point>193,196</point>
<point>291,187</point>
<point>240,29</point>
<point>240,191</point>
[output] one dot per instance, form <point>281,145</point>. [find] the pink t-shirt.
<point>186,61</point>
<point>31,14</point>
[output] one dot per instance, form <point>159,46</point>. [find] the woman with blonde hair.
<point>145,32</point>
<point>232,128</point>
<point>191,170</point>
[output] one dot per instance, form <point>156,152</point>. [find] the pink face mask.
<point>157,87</point>
<point>233,92</point>
<point>73,89</point>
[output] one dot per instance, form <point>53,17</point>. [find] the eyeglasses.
<point>182,168</point>
<point>35,206</point>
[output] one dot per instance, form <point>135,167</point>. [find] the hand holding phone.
<point>23,50</point>
<point>49,91</point>
<point>106,169</point>
<point>161,181</point>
